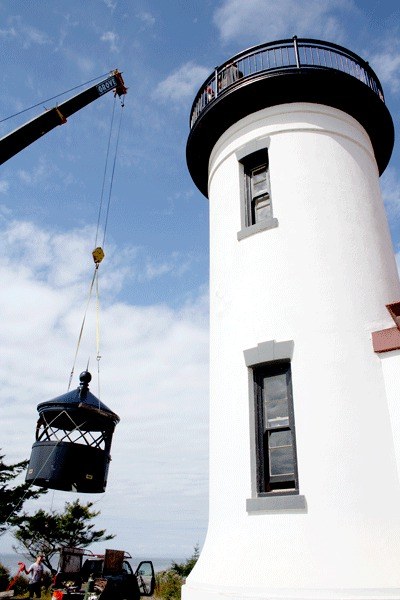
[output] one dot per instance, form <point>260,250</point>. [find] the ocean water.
<point>11,562</point>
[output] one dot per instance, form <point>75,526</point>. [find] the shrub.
<point>168,585</point>
<point>169,582</point>
<point>183,569</point>
<point>4,577</point>
<point>20,587</point>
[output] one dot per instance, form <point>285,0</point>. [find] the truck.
<point>82,575</point>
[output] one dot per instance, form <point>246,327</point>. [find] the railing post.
<point>296,51</point>
<point>216,81</point>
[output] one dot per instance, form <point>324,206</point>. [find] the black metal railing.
<point>282,55</point>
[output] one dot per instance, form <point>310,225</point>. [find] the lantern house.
<point>73,442</point>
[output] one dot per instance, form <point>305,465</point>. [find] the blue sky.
<point>154,279</point>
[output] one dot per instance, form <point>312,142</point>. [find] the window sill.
<point>289,502</point>
<point>260,226</point>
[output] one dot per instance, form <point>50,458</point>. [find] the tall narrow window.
<point>257,188</point>
<point>275,434</point>
<point>256,210</point>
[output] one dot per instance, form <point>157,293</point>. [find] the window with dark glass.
<point>275,443</point>
<point>257,187</point>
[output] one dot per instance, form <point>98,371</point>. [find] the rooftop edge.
<point>285,71</point>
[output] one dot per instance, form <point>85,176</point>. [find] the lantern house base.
<point>68,467</point>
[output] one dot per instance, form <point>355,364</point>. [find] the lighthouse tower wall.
<point>310,289</point>
<point>391,369</point>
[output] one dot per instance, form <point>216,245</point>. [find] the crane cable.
<point>98,252</point>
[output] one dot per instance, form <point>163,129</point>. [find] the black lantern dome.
<point>73,442</point>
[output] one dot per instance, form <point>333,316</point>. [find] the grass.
<point>45,596</point>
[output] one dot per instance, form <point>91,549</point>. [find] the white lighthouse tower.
<point>287,141</point>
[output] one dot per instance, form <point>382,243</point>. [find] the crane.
<point>64,457</point>
<point>72,448</point>
<point>23,136</point>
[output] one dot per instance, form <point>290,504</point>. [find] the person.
<point>35,573</point>
<point>229,75</point>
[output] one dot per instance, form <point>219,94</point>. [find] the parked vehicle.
<point>82,575</point>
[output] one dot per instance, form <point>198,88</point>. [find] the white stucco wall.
<point>322,279</point>
<point>391,374</point>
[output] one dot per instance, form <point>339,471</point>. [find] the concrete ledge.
<point>278,503</point>
<point>260,226</point>
<point>205,591</point>
<point>268,352</point>
<point>252,146</point>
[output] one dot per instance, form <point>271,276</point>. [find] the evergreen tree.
<point>13,497</point>
<point>46,532</point>
<point>183,569</point>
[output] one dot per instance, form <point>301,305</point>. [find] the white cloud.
<point>175,265</point>
<point>44,173</point>
<point>182,84</point>
<point>154,270</point>
<point>4,186</point>
<point>390,184</point>
<point>33,177</point>
<point>7,34</point>
<point>78,59</point>
<point>84,63</point>
<point>154,374</point>
<point>146,18</point>
<point>267,20</point>
<point>111,38</point>
<point>112,5</point>
<point>26,33</point>
<point>34,36</point>
<point>386,62</point>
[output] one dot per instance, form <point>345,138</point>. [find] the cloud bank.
<point>153,374</point>
<point>257,21</point>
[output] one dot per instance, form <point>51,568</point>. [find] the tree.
<point>12,498</point>
<point>183,569</point>
<point>46,532</point>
